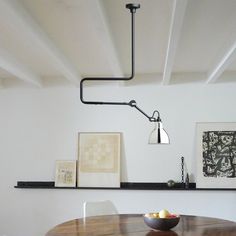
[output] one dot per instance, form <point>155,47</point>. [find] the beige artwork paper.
<point>99,160</point>
<point>65,174</point>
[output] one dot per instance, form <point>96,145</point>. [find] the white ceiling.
<point>177,41</point>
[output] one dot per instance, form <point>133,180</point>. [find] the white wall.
<point>39,126</point>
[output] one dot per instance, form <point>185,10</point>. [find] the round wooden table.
<point>133,225</point>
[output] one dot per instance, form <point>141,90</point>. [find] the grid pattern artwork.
<point>99,153</point>
<point>99,160</point>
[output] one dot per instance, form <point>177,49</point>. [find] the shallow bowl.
<point>161,223</point>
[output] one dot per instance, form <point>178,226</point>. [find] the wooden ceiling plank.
<point>9,64</point>
<point>15,13</point>
<point>222,64</point>
<point>177,19</point>
<point>1,83</point>
<point>105,37</point>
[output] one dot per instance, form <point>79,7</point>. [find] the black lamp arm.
<point>152,118</point>
<point>132,8</point>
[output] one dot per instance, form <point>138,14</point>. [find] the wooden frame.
<point>216,155</point>
<point>99,160</point>
<point>65,175</point>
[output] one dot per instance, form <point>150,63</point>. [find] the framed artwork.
<point>216,155</point>
<point>99,160</point>
<point>65,175</point>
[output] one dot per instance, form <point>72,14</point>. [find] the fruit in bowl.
<point>164,213</point>
<point>162,220</point>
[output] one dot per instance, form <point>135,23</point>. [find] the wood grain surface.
<point>133,225</point>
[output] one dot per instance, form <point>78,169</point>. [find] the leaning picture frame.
<point>216,155</point>
<point>99,159</point>
<point>65,174</point>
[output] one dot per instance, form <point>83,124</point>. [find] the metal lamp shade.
<point>158,135</point>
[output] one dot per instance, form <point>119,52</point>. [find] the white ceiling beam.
<point>104,35</point>
<point>9,64</point>
<point>222,64</point>
<point>25,24</point>
<point>177,18</point>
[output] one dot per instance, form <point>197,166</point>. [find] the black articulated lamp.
<point>158,135</point>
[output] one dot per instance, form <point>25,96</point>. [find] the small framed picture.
<point>216,155</point>
<point>65,175</point>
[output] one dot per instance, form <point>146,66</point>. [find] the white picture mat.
<point>109,176</point>
<point>99,180</point>
<point>211,182</point>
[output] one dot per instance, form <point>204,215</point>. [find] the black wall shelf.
<point>123,186</point>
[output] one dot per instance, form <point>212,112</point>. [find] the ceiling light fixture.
<point>158,135</point>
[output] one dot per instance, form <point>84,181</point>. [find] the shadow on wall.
<point>124,174</point>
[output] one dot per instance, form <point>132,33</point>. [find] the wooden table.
<point>133,225</point>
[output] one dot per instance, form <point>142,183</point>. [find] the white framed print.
<point>65,175</point>
<point>216,155</point>
<point>99,160</point>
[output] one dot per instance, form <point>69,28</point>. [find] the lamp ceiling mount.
<point>133,7</point>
